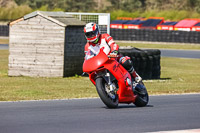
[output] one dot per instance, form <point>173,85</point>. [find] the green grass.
<point>161,45</point>
<point>146,45</point>
<point>4,41</point>
<point>177,76</point>
<point>29,88</point>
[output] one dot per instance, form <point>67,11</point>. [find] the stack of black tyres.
<point>155,35</point>
<point>145,61</point>
<point>4,30</point>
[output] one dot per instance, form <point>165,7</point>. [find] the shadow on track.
<point>129,106</point>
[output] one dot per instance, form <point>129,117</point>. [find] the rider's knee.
<point>126,63</point>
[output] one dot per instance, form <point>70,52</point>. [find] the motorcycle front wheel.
<point>110,100</point>
<point>141,99</point>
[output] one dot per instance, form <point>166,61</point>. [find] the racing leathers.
<point>110,47</point>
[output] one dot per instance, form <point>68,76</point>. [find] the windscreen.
<point>92,51</point>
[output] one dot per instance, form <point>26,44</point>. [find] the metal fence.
<point>102,19</point>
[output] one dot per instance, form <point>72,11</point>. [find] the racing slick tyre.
<point>142,98</point>
<point>110,100</point>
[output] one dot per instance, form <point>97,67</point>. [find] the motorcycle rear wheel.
<point>105,97</point>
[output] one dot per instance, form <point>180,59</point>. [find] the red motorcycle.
<point>113,82</point>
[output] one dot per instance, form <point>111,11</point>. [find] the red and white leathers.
<point>106,42</point>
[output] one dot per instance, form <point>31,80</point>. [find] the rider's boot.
<point>128,65</point>
<point>137,89</point>
<point>136,76</point>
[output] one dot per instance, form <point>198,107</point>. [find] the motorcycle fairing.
<point>125,93</point>
<point>95,62</point>
<point>97,65</point>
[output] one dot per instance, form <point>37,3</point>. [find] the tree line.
<point>170,9</point>
<point>126,5</point>
<point>65,5</point>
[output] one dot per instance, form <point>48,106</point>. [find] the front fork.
<point>111,88</point>
<point>108,77</point>
<point>109,81</point>
<point>134,85</point>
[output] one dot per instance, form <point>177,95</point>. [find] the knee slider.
<point>127,63</point>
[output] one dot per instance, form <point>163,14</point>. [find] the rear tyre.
<point>108,100</point>
<point>142,99</point>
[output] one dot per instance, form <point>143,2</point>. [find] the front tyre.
<point>110,100</point>
<point>142,98</point>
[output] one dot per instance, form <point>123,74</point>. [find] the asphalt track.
<point>164,52</point>
<point>181,53</point>
<point>3,46</point>
<point>163,113</point>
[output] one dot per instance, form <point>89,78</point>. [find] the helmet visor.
<point>91,34</point>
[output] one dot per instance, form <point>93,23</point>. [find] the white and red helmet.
<point>91,31</point>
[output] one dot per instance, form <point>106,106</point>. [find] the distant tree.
<point>115,4</point>
<point>79,5</point>
<point>20,2</point>
<point>35,3</point>
<point>51,4</point>
<point>197,6</point>
<point>7,4</point>
<point>153,4</point>
<point>68,5</point>
<point>31,3</point>
<point>131,5</point>
<point>167,4</point>
<point>194,4</point>
<point>143,2</point>
<point>127,5</point>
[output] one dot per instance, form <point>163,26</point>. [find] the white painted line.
<point>180,131</point>
<point>176,94</point>
<point>49,100</point>
<point>85,98</point>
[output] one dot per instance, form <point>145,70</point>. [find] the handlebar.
<point>113,56</point>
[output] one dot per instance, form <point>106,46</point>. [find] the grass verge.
<point>146,45</point>
<point>4,41</point>
<point>177,76</point>
<point>161,45</point>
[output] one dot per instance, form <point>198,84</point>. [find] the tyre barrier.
<point>146,62</point>
<point>155,35</point>
<point>4,30</point>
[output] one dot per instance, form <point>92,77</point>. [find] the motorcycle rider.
<point>105,41</point>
